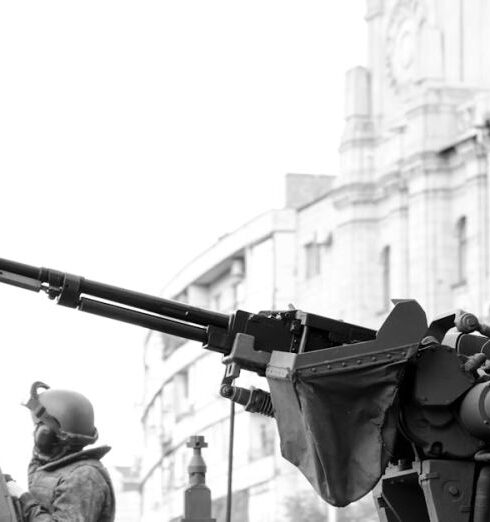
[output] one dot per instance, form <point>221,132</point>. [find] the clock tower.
<point>414,153</point>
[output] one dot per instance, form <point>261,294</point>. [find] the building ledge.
<point>217,258</point>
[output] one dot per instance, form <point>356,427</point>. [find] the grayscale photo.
<point>245,261</point>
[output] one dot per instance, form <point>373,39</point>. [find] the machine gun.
<point>403,412</point>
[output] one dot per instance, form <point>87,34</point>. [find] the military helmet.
<point>72,410</point>
<point>68,414</point>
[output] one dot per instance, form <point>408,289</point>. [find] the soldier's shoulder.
<point>73,459</point>
<point>87,470</point>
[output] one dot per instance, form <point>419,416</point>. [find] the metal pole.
<point>229,493</point>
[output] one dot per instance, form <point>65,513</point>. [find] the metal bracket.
<point>70,291</point>
<point>398,497</point>
<point>448,489</point>
<point>431,490</point>
<point>437,366</point>
<point>245,356</point>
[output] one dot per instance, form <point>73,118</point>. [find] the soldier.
<point>66,481</point>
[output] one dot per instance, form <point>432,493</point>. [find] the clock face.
<point>401,42</point>
<point>403,52</point>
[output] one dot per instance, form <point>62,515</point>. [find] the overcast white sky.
<point>133,135</point>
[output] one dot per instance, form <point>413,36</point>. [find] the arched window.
<point>386,277</point>
<point>462,249</point>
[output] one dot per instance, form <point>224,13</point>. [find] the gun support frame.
<point>253,399</point>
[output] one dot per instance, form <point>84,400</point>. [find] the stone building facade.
<point>127,489</point>
<point>406,216</point>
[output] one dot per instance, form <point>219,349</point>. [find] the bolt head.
<point>453,490</point>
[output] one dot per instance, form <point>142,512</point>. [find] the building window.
<point>462,249</point>
<point>238,290</point>
<point>312,259</point>
<point>152,420</point>
<point>170,343</point>
<point>169,473</point>
<point>262,436</point>
<point>386,277</point>
<point>216,302</point>
<point>181,393</point>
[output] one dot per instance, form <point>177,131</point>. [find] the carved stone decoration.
<point>374,8</point>
<point>402,42</point>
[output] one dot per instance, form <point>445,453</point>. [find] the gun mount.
<point>403,412</point>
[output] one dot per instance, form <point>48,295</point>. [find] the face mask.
<point>46,441</point>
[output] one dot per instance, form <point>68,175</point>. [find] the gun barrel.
<point>157,305</point>
<point>25,276</point>
<point>21,269</point>
<point>153,322</point>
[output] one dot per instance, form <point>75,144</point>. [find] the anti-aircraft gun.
<point>403,412</point>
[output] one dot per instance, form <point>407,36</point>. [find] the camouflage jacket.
<point>75,488</point>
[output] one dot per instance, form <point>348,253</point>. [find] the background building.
<point>127,489</point>
<point>406,217</point>
<point>243,270</point>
